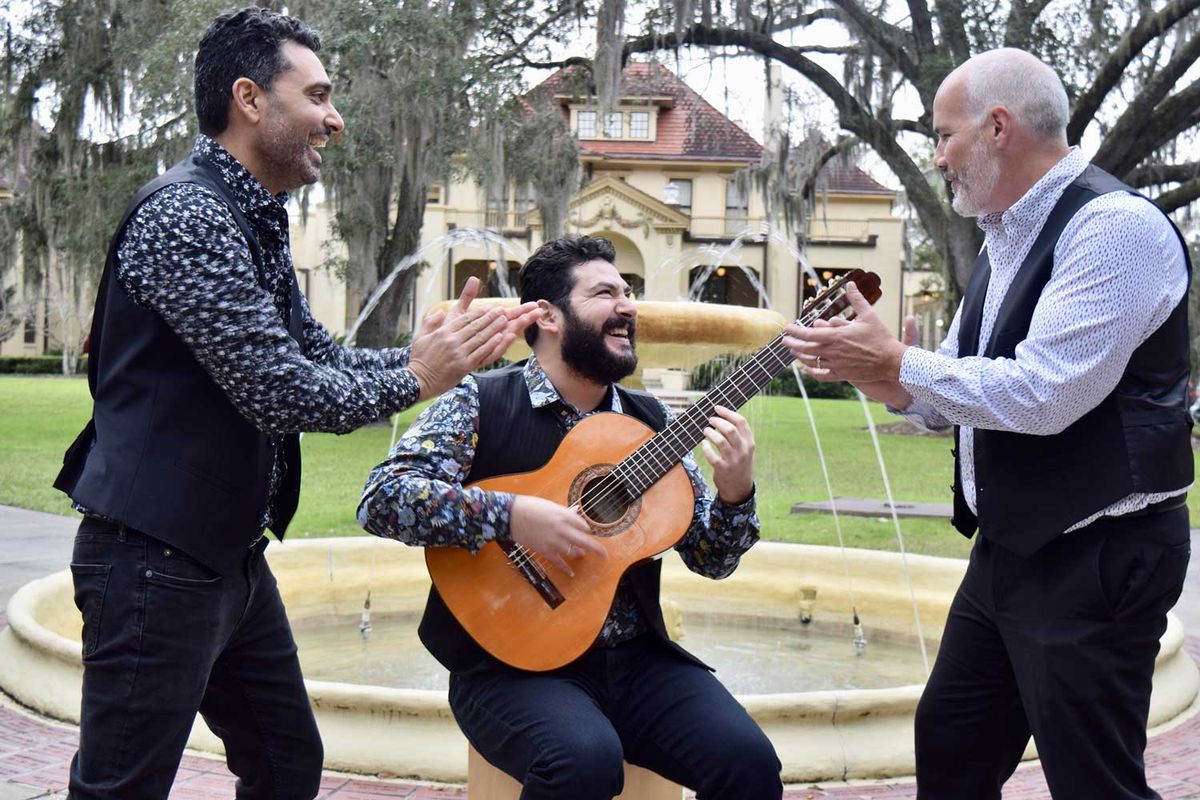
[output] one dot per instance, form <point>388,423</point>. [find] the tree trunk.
<point>386,322</point>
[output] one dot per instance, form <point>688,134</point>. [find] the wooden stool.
<point>485,782</point>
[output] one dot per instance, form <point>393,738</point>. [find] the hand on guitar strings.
<point>862,351</point>
<point>729,447</point>
<point>449,345</point>
<point>557,533</point>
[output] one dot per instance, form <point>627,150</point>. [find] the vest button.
<point>167,552</point>
<point>149,573</point>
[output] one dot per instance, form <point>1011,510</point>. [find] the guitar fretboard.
<point>644,466</point>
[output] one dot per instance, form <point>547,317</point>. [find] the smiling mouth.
<point>621,333</point>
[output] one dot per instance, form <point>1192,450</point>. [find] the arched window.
<point>727,285</point>
<point>489,274</point>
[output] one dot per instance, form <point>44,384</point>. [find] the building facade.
<point>660,183</point>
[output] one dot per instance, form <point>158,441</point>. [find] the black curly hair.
<point>242,43</point>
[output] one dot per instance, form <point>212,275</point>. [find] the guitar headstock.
<point>833,302</point>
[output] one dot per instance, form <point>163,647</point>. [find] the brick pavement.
<point>35,755</point>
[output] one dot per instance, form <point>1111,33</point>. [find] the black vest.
<point>1029,489</point>
<point>516,437</point>
<point>165,452</point>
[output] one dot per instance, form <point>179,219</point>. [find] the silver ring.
<point>570,548</point>
<point>818,362</point>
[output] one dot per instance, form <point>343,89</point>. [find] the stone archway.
<point>630,262</point>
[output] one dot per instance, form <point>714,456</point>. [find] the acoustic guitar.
<point>635,496</point>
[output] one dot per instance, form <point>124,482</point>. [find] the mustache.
<point>620,322</point>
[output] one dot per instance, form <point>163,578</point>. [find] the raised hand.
<point>557,533</point>
<point>860,351</point>
<point>449,345</point>
<point>729,447</point>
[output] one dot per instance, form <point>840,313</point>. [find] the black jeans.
<point>564,733</point>
<point>165,637</point>
<point>1060,646</point>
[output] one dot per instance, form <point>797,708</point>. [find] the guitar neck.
<point>644,466</point>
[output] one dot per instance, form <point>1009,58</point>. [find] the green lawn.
<point>41,415</point>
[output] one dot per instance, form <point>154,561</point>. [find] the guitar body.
<point>504,612</point>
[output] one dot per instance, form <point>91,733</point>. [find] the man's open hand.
<point>449,345</point>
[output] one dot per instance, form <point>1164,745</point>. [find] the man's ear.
<point>1000,127</point>
<point>551,319</point>
<point>248,99</point>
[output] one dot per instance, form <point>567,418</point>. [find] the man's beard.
<point>585,351</point>
<point>976,180</point>
<point>285,154</point>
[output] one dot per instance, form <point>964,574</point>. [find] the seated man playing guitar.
<point>633,694</point>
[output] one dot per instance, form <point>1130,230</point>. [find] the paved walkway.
<point>35,754</point>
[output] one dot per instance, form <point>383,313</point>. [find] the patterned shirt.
<point>417,496</point>
<point>185,258</point>
<point>1118,273</point>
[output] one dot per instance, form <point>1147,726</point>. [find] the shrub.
<point>710,373</point>
<point>36,365</point>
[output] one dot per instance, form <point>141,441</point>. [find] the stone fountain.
<point>823,734</point>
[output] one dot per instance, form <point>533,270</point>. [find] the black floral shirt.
<point>417,496</point>
<point>184,257</point>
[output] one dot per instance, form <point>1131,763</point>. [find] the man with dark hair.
<point>634,695</point>
<point>205,364</point>
<point>1065,374</point>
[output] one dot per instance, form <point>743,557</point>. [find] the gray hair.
<point>1021,83</point>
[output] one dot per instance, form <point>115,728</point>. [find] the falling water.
<point>860,639</point>
<point>711,258</point>
<point>454,238</point>
<point>887,488</point>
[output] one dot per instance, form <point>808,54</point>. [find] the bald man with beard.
<point>1064,375</point>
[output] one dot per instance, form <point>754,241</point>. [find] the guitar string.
<point>668,447</point>
<point>671,443</point>
<point>671,439</point>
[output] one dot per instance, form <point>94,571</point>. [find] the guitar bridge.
<point>532,572</point>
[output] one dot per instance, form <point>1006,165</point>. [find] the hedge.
<point>37,365</point>
<point>707,375</point>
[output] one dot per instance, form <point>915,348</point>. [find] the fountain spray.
<point>860,638</point>
<point>364,627</point>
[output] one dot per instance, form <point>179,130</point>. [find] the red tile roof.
<point>689,128</point>
<point>845,178</point>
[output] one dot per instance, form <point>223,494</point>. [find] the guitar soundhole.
<point>605,500</point>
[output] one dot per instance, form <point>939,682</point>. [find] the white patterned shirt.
<point>1118,273</point>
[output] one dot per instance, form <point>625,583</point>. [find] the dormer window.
<point>614,125</point>
<point>639,125</point>
<point>621,125</point>
<point>587,125</point>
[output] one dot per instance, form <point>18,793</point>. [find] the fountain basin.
<point>821,735</point>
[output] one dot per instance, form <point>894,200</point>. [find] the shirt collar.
<point>249,194</point>
<point>542,391</point>
<point>1022,214</point>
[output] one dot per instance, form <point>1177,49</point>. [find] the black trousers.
<point>163,637</point>
<point>564,733</point>
<point>1060,646</point>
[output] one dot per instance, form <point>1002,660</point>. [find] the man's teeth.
<point>318,141</point>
